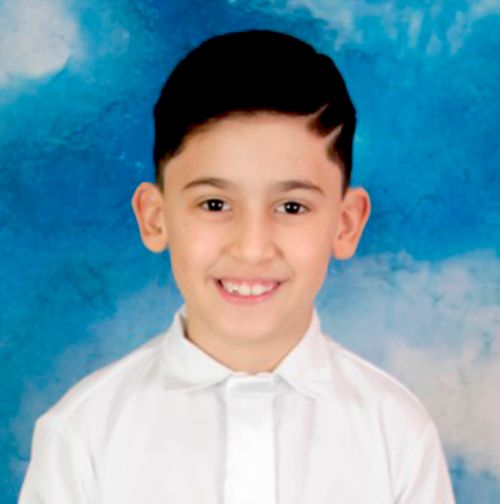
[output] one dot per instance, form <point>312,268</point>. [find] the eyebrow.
<point>284,185</point>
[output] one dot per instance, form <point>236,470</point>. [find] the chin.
<point>248,328</point>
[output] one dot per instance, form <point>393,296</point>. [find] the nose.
<point>253,239</point>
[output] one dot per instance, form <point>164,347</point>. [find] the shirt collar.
<point>307,368</point>
<point>185,366</point>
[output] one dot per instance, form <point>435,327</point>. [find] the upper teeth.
<point>245,289</point>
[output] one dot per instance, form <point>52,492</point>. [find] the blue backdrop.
<point>77,84</point>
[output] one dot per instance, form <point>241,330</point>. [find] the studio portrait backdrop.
<point>78,81</point>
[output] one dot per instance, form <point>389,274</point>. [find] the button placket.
<point>250,456</point>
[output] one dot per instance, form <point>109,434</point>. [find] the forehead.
<point>256,148</point>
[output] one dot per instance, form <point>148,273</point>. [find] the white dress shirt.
<point>168,424</point>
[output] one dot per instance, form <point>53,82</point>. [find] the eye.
<point>292,207</point>
<point>214,205</point>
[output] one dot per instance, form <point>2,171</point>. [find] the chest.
<point>259,447</point>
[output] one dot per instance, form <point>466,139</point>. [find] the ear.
<point>354,213</point>
<point>148,206</point>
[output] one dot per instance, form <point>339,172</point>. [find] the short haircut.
<point>249,72</point>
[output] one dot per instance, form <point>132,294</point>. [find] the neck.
<point>246,352</point>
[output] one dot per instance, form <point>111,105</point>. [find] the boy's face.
<point>251,200</point>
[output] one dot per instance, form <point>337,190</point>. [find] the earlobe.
<point>147,203</point>
<point>355,210</point>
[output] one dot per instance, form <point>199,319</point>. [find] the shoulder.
<point>106,387</point>
<point>397,426</point>
<point>376,390</point>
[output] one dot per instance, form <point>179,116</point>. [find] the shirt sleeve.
<point>53,475</point>
<point>424,477</point>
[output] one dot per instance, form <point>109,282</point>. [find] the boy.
<point>244,400</point>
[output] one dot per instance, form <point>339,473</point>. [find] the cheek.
<point>312,259</point>
<point>309,252</point>
<point>192,246</point>
<point>190,257</point>
<point>311,241</point>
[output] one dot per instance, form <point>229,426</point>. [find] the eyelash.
<point>304,209</point>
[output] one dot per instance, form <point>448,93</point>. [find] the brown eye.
<point>292,207</point>
<point>213,205</point>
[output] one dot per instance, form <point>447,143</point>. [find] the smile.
<point>247,290</point>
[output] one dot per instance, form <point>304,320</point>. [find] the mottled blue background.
<point>77,84</point>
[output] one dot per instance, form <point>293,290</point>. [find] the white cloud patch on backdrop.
<point>460,388</point>
<point>464,20</point>
<point>351,19</point>
<point>37,38</point>
<point>435,325</point>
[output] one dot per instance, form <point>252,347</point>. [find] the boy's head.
<point>248,72</point>
<point>253,151</point>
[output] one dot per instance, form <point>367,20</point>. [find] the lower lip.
<point>245,300</point>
